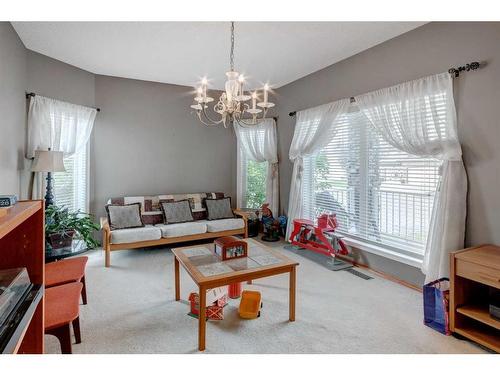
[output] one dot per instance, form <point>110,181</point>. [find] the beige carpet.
<point>131,309</point>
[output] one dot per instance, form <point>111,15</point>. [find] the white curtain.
<point>57,125</point>
<point>259,143</point>
<point>314,129</point>
<point>419,117</point>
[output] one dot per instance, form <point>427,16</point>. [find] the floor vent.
<point>358,274</point>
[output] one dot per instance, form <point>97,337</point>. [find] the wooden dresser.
<point>472,272</point>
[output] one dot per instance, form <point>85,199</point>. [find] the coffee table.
<point>208,272</point>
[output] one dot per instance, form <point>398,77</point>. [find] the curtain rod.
<point>31,94</point>
<point>454,71</point>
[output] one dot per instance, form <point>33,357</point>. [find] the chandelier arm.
<point>210,123</point>
<point>205,114</point>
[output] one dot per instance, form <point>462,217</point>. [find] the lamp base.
<point>49,196</point>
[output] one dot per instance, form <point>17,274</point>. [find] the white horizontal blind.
<point>380,194</point>
<point>71,187</point>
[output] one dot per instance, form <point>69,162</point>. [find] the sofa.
<point>156,232</point>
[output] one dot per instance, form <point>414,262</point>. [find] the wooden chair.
<point>62,308</point>
<point>67,271</point>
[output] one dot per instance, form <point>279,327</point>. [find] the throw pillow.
<point>219,208</point>
<point>177,212</point>
<point>124,216</point>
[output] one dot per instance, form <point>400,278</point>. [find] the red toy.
<point>214,310</point>
<point>234,290</point>
<point>320,238</point>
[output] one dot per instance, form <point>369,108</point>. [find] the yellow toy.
<point>250,304</point>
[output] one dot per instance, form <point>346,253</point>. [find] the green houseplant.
<point>62,225</point>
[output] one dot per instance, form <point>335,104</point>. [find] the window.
<point>380,194</point>
<point>253,181</point>
<point>71,187</point>
<point>68,131</point>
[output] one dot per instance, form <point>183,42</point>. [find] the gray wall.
<point>58,80</point>
<point>432,48</point>
<point>147,141</point>
<point>12,109</point>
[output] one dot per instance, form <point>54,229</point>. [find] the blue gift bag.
<point>436,300</point>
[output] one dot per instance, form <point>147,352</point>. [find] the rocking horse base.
<point>338,265</point>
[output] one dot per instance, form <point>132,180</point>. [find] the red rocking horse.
<point>320,238</point>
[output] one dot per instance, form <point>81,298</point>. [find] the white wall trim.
<point>383,252</point>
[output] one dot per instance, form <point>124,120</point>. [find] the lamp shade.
<point>48,161</point>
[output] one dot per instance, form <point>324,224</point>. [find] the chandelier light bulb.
<point>241,80</point>
<point>266,89</point>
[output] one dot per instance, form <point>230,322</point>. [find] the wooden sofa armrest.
<point>244,215</point>
<point>106,239</point>
<point>104,223</point>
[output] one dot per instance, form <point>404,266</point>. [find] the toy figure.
<point>270,224</point>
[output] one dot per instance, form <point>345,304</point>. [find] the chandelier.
<point>232,104</point>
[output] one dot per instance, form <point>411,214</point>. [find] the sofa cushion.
<point>182,229</point>
<point>126,216</point>
<point>177,212</point>
<point>224,224</point>
<point>219,208</point>
<point>146,233</point>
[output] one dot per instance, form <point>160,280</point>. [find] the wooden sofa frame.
<point>108,247</point>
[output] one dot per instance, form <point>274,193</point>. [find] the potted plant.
<point>62,225</point>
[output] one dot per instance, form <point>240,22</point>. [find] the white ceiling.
<point>182,52</point>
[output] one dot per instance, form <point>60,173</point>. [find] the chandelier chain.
<point>231,56</point>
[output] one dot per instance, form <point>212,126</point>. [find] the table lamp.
<point>48,161</point>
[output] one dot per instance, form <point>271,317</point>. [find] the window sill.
<point>384,252</point>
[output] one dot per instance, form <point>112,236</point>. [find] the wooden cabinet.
<point>22,244</point>
<point>472,272</point>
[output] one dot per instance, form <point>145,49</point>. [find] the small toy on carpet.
<point>250,304</point>
<point>216,301</point>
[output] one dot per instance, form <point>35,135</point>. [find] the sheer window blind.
<point>71,187</point>
<point>380,194</point>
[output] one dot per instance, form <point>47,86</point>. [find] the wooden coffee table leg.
<point>177,280</point>
<point>292,295</point>
<point>202,319</point>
